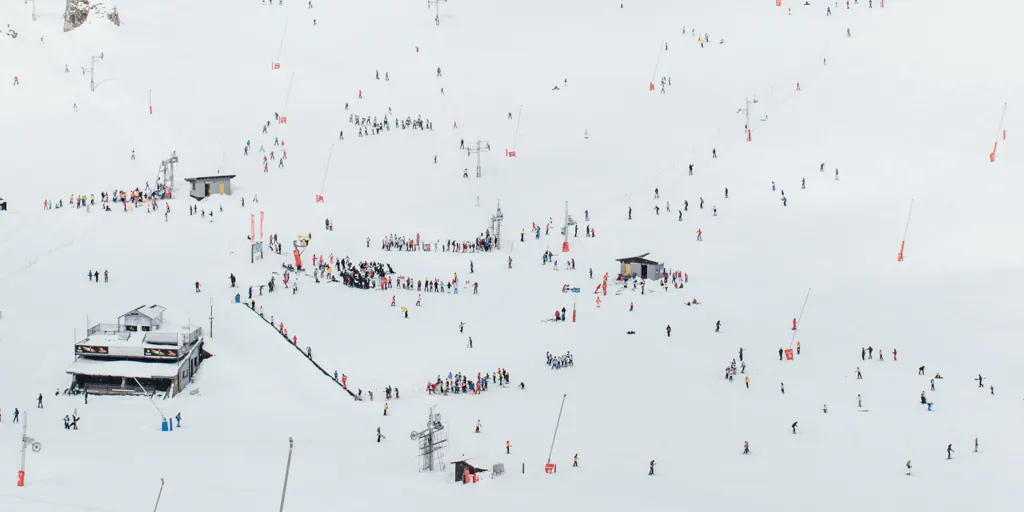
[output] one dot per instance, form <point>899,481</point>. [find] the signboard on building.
<point>156,352</point>
<point>89,349</point>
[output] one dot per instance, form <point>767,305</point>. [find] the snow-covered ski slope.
<point>907,109</point>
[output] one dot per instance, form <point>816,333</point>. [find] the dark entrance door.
<point>206,190</point>
<point>643,271</point>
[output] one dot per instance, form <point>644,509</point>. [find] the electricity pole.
<point>92,68</point>
<point>287,469</point>
<point>552,450</point>
<point>478,147</point>
<point>211,317</point>
<point>26,443</point>
<point>437,9</point>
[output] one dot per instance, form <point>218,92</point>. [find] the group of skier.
<point>484,242</point>
<point>461,384</point>
<point>367,126</point>
<point>559,362</point>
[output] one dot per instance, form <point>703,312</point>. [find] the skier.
<point>794,427</point>
<point>782,388</point>
<point>197,287</point>
<point>508,447</point>
<point>385,408</point>
<point>477,431</point>
<point>975,445</point>
<point>39,401</point>
<point>746,448</point>
<point>718,326</point>
<point>651,472</point>
<point>462,325</point>
<point>576,460</point>
<point>949,451</point>
<point>908,468</point>
<point>727,192</point>
<point>780,353</point>
<point>668,331</point>
<point>379,435</point>
<point>714,153</point>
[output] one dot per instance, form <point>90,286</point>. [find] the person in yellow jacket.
<point>746,380</point>
<point>798,348</point>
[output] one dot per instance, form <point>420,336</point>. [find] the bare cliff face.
<point>75,14</point>
<point>78,12</point>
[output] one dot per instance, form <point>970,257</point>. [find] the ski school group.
<point>483,243</point>
<point>460,384</point>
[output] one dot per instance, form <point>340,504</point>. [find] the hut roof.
<point>214,177</point>
<point>642,259</point>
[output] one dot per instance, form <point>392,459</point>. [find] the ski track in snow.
<point>905,109</point>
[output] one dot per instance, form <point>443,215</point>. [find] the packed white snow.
<point>905,108</point>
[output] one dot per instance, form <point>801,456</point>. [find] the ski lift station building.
<point>205,186</point>
<point>137,355</point>
<point>640,266</point>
